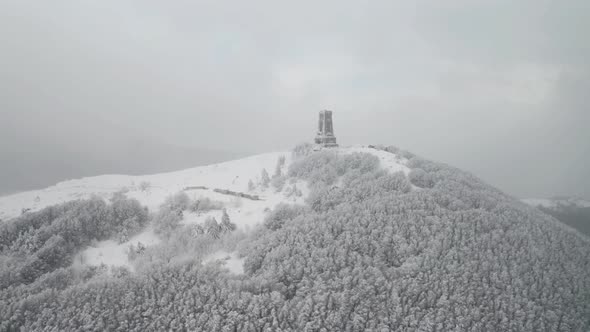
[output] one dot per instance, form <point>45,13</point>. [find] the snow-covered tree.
<point>279,166</point>
<point>212,228</point>
<point>264,178</point>
<point>226,224</point>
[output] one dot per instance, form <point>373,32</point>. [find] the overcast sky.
<point>499,88</point>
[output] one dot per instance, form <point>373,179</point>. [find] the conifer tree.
<point>212,228</point>
<point>264,178</point>
<point>226,224</point>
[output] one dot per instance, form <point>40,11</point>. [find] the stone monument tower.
<point>325,136</point>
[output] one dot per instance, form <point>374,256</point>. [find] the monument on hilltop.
<point>325,136</point>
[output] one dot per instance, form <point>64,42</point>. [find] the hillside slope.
<point>348,239</point>
<point>152,190</point>
<point>205,182</point>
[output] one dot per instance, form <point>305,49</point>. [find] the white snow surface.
<point>232,175</point>
<point>112,253</point>
<point>389,161</point>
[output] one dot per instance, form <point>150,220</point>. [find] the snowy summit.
<point>315,238</point>
<point>244,188</point>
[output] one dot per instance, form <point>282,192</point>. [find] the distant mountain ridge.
<point>48,152</point>
<point>558,201</point>
<point>573,211</point>
<point>44,164</point>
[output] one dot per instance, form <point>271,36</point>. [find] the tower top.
<point>325,136</point>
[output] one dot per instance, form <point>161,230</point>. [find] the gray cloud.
<point>496,87</point>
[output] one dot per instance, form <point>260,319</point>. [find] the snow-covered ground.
<point>111,252</point>
<point>391,162</point>
<point>152,191</point>
<point>232,175</point>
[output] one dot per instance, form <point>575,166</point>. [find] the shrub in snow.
<point>120,272</point>
<point>426,165</point>
<point>134,251</point>
<point>204,204</point>
<point>279,167</point>
<point>326,166</point>
<point>197,230</point>
<point>292,190</point>
<point>123,236</point>
<point>315,166</point>
<point>278,182</point>
<point>302,150</point>
<point>144,186</point>
<point>179,201</point>
<point>166,221</point>
<point>282,214</point>
<point>420,178</point>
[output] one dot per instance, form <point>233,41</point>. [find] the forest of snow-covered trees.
<point>437,250</point>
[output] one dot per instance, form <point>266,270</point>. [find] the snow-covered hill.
<point>198,183</point>
<point>347,241</point>
<point>152,190</point>
<point>149,190</point>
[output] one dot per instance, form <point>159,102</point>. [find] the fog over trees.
<point>576,217</point>
<point>370,250</point>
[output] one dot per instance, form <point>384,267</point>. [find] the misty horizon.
<point>441,80</point>
<point>137,155</point>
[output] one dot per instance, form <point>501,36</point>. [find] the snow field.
<point>152,191</point>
